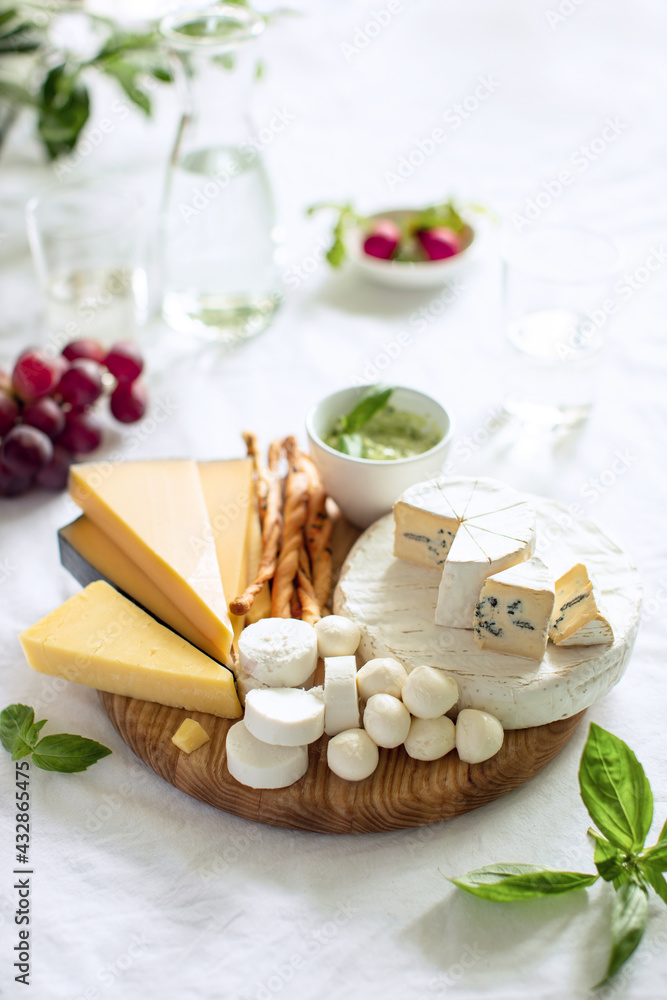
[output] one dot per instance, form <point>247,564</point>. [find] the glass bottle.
<point>219,273</point>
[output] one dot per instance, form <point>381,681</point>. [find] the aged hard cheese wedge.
<point>576,619</point>
<point>427,517</point>
<point>100,639</point>
<point>515,609</point>
<point>156,513</point>
<point>106,560</point>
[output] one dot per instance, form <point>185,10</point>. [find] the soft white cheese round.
<point>352,755</point>
<point>386,720</point>
<point>479,735</point>
<point>260,765</point>
<point>383,675</point>
<point>430,739</point>
<point>285,717</point>
<point>337,636</point>
<point>280,652</point>
<point>429,692</point>
<point>246,683</point>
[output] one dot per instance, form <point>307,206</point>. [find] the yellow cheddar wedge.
<point>189,736</point>
<point>104,555</point>
<point>156,513</point>
<point>261,606</point>
<point>101,639</point>
<point>227,488</point>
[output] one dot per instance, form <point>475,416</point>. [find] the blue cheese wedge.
<point>577,620</point>
<point>514,610</point>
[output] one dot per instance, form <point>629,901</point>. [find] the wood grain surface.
<point>401,793</point>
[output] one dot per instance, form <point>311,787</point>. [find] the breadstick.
<point>272,527</point>
<point>296,509</point>
<point>260,477</point>
<point>310,609</point>
<point>318,535</point>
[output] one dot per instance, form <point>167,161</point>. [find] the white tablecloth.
<point>141,891</point>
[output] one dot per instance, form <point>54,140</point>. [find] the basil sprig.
<point>618,797</point>
<point>19,735</point>
<point>347,427</point>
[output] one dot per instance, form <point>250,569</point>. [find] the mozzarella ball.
<point>352,755</point>
<point>430,739</point>
<point>479,735</point>
<point>337,636</point>
<point>279,652</point>
<point>429,692</point>
<point>383,675</point>
<point>386,720</point>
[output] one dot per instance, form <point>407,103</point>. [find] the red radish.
<point>383,239</point>
<point>439,243</point>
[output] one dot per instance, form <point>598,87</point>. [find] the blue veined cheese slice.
<point>577,620</point>
<point>514,610</point>
<point>427,517</point>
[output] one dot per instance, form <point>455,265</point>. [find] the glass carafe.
<point>219,273</point>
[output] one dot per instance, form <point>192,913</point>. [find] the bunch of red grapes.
<point>46,415</point>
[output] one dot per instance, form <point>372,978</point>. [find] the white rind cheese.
<point>285,717</point>
<point>428,516</point>
<point>393,602</point>
<point>341,698</point>
<point>260,765</point>
<point>577,620</point>
<point>514,610</point>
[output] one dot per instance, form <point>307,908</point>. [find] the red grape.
<point>12,483</point>
<point>82,433</point>
<point>128,401</point>
<point>81,384</point>
<point>9,411</point>
<point>46,415</point>
<point>124,361</point>
<point>26,450</point>
<point>54,475</point>
<point>91,349</point>
<point>35,375</point>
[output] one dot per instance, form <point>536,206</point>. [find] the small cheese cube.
<point>189,736</point>
<point>514,610</point>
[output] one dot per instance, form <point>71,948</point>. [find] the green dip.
<point>389,434</point>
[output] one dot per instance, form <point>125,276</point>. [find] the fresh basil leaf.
<point>655,878</point>
<point>374,400</point>
<point>63,111</point>
<point>64,752</point>
<point>350,444</point>
<point>336,252</point>
<point>615,789</point>
<point>608,858</point>
<point>505,883</point>
<point>21,748</point>
<point>13,722</point>
<point>662,839</point>
<point>628,922</point>
<point>657,855</point>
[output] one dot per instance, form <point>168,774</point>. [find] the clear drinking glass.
<point>220,277</point>
<point>87,242</point>
<point>557,291</point>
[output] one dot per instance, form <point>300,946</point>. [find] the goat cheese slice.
<point>428,516</point>
<point>577,620</point>
<point>341,698</point>
<point>260,765</point>
<point>514,610</point>
<point>285,717</point>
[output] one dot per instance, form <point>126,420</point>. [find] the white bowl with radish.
<point>391,249</point>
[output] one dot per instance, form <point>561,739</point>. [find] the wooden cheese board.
<point>402,792</point>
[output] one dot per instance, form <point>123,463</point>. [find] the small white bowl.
<point>405,273</point>
<point>365,489</point>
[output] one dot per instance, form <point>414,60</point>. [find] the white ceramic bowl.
<point>363,488</point>
<point>405,273</point>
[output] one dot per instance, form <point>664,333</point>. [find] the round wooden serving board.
<point>401,793</point>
